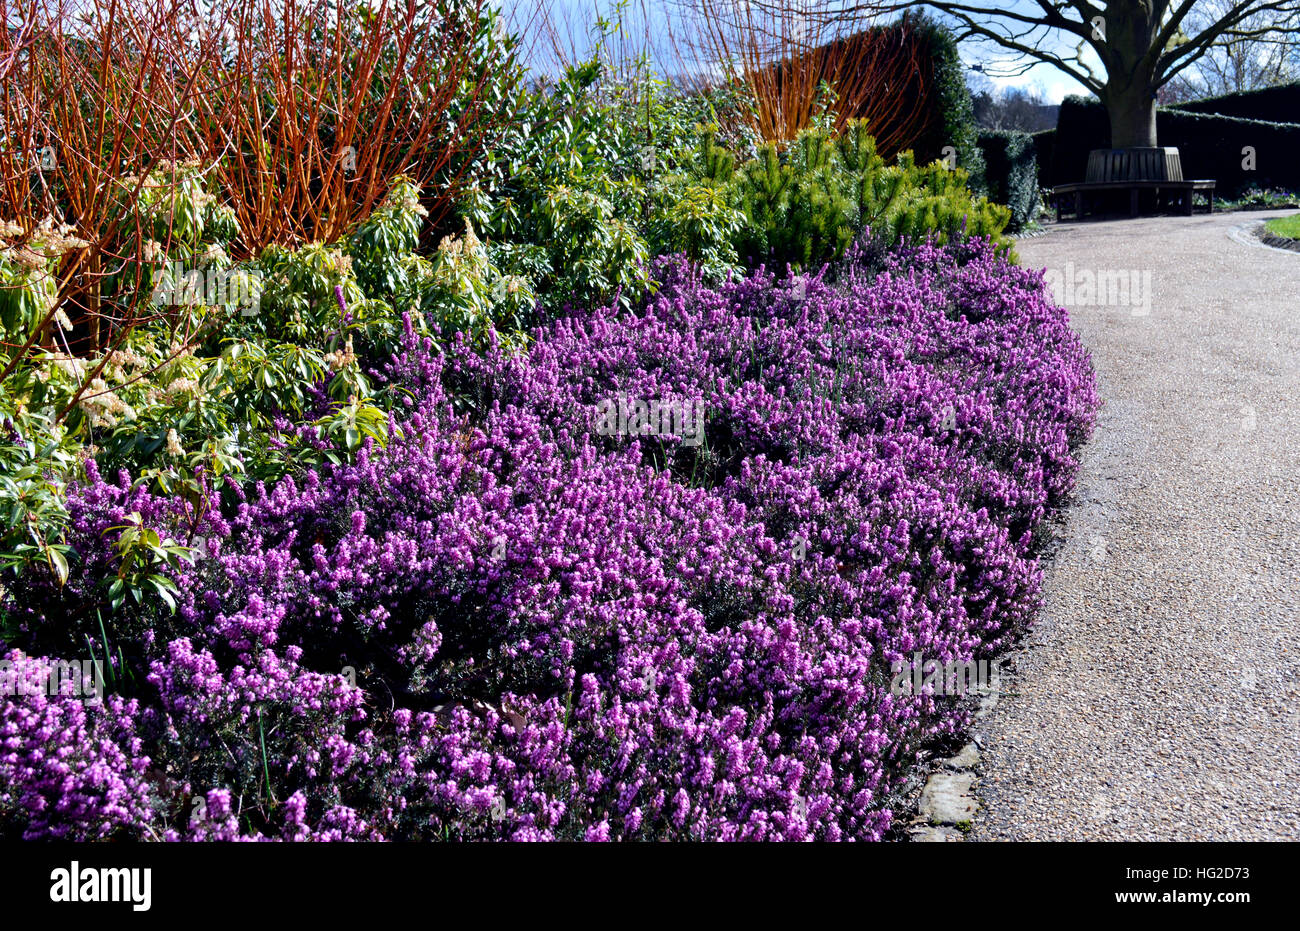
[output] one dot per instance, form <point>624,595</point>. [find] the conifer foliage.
<point>804,206</point>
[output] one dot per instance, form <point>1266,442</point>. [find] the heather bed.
<point>557,634</point>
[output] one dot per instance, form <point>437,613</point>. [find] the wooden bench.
<point>1157,169</point>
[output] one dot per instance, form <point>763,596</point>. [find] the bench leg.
<point>1078,205</point>
<point>1133,203</point>
<point>1187,210</point>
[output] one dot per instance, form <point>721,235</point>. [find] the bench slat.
<point>1154,163</point>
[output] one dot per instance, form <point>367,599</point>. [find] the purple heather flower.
<point>507,625</point>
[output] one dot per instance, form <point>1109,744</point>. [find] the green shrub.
<point>606,174</point>
<point>805,205</point>
<point>698,219</point>
<point>37,459</point>
<point>233,390</point>
<point>601,175</point>
<point>1011,173</point>
<point>937,202</point>
<point>458,289</point>
<point>28,282</point>
<point>461,290</point>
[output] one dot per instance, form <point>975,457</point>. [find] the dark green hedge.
<point>1011,172</point>
<point>954,124</point>
<point>1044,149</point>
<point>1210,146</point>
<point>1081,126</point>
<point>1280,104</point>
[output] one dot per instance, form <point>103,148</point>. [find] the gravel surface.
<point>1157,697</point>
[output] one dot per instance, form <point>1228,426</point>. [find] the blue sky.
<point>663,16</point>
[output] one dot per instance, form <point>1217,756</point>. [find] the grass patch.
<point>1287,227</point>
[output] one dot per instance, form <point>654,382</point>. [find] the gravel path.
<point>1157,697</point>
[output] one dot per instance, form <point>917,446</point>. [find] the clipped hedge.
<point>1210,146</point>
<point>1081,127</point>
<point>1045,151</point>
<point>1011,172</point>
<point>1280,104</point>
<point>955,125</point>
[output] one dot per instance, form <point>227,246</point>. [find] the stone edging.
<point>1256,234</point>
<point>948,804</point>
<point>1279,242</point>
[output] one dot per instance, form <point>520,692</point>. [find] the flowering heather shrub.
<point>559,633</point>
<point>67,770</point>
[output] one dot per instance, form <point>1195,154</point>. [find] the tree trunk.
<point>1132,111</point>
<point>1129,28</point>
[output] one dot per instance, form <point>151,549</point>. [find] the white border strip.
<point>1245,233</point>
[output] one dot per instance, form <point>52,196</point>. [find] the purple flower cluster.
<point>69,770</point>
<point>508,624</point>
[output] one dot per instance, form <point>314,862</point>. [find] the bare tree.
<point>1235,64</point>
<point>788,55</point>
<point>1123,51</point>
<point>1018,108</point>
